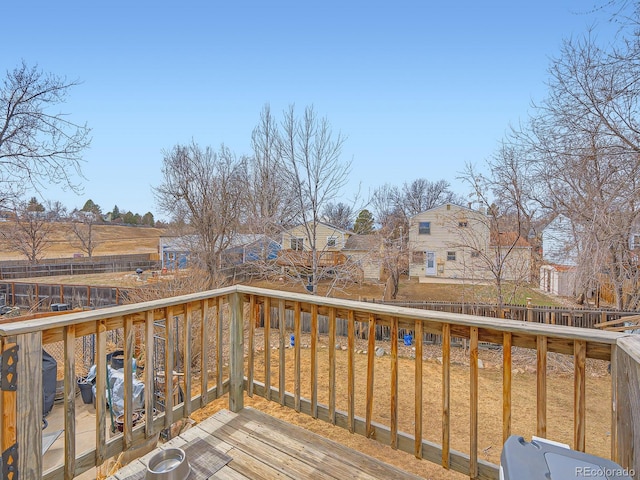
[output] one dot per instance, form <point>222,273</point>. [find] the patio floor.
<point>253,445</point>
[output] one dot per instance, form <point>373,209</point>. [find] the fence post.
<point>236,356</point>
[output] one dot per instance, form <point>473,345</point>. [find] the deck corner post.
<point>625,376</point>
<point>236,357</point>
<point>29,405</point>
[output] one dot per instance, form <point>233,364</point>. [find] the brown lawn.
<point>118,240</point>
<point>111,240</point>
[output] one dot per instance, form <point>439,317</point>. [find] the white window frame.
<point>332,241</point>
<point>297,244</point>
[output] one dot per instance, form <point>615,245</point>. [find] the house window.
<point>424,228</point>
<point>418,257</point>
<point>297,244</point>
<point>463,224</point>
<point>475,254</point>
<point>451,256</point>
<point>332,241</point>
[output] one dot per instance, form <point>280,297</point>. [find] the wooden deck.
<point>254,445</point>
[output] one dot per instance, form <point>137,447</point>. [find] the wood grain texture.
<point>446,394</point>
<point>29,407</point>
<point>69,400</point>
<point>394,383</point>
<point>370,432</point>
<point>506,386</point>
<point>101,386</point>
<point>332,366</point>
<point>473,403</point>
<point>541,387</point>
<point>418,391</point>
<point>296,373</point>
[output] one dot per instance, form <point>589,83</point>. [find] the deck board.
<point>264,447</point>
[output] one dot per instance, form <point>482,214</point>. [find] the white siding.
<point>323,233</point>
<point>558,242</point>
<point>452,229</point>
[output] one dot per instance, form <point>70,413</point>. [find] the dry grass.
<point>111,239</point>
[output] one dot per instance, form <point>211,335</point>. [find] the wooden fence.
<point>78,266</point>
<point>572,317</point>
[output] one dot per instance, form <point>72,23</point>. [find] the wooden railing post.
<point>625,374</point>
<point>236,355</point>
<point>29,405</point>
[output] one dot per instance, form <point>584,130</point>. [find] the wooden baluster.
<point>473,402</point>
<point>394,382</point>
<point>371,355</point>
<point>254,310</point>
<point>69,400</point>
<point>267,348</point>
<point>417,449</point>
<point>579,403</point>
<point>169,342</point>
<point>283,359</point>
<point>128,381</point>
<point>446,394</point>
<point>332,366</point>
<point>149,360</point>
<point>219,321</point>
<point>351,366</point>
<point>314,361</point>
<point>101,385</point>
<point>541,375</point>
<point>506,386</point>
<point>187,358</point>
<point>297,340</point>
<point>204,353</point>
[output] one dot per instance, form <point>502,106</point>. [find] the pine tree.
<point>364,223</point>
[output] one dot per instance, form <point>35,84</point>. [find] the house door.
<point>431,263</point>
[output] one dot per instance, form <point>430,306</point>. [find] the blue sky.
<point>419,88</point>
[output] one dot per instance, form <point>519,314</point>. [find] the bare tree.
<point>422,194</point>
<point>37,146</point>
<point>83,234</point>
<point>202,191</point>
<point>29,233</point>
<point>268,210</point>
<point>338,214</point>
<point>315,173</point>
<point>581,151</point>
<point>506,257</point>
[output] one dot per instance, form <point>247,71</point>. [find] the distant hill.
<point>112,240</point>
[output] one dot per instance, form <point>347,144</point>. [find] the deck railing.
<point>212,337</point>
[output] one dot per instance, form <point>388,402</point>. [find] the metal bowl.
<point>169,464</point>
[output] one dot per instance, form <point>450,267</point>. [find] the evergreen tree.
<point>364,223</point>
<point>34,205</point>
<point>147,219</point>
<point>89,206</point>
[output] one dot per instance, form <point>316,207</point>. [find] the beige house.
<point>366,252</point>
<point>451,241</point>
<point>328,238</point>
<point>329,241</point>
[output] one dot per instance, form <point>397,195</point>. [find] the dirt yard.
<point>560,370</point>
